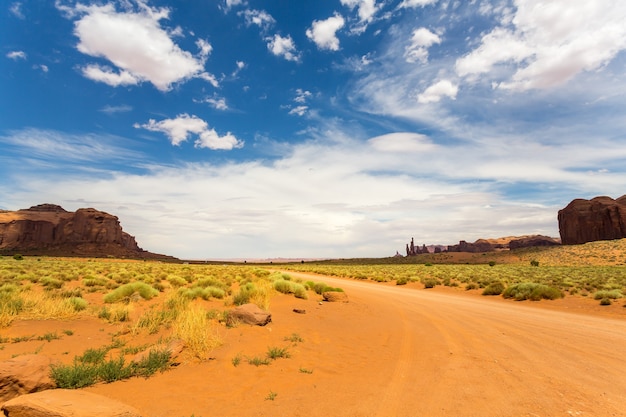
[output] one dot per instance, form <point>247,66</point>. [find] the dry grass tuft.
<point>194,328</point>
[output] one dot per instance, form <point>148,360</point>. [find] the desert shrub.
<point>430,282</point>
<point>471,286</point>
<point>402,281</point>
<point>77,303</point>
<point>152,320</point>
<point>534,263</point>
<point>18,257</point>
<point>114,370</point>
<point>77,375</point>
<point>93,356</point>
<point>90,281</point>
<point>124,292</point>
<point>606,301</point>
<point>285,287</point>
<point>611,294</point>
<point>50,283</point>
<point>192,327</point>
<point>495,288</point>
<point>157,360</point>
<point>176,281</point>
<point>492,263</point>
<point>210,282</point>
<point>531,291</point>
<point>299,291</point>
<point>244,294</point>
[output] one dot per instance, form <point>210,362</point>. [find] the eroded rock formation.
<point>48,229</point>
<point>600,218</point>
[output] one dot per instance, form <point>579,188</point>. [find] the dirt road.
<point>394,351</point>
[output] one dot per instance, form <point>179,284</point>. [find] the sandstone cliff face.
<point>600,218</point>
<point>49,228</point>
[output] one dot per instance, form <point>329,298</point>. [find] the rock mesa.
<point>600,218</point>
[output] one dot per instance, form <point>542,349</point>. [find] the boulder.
<point>66,403</point>
<point>249,314</point>
<point>600,218</point>
<point>23,375</point>
<point>335,296</point>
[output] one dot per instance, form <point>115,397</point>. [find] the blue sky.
<point>332,128</point>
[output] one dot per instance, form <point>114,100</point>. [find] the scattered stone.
<point>248,314</point>
<point>299,311</point>
<point>66,403</point>
<point>335,297</point>
<point>174,347</point>
<point>24,375</point>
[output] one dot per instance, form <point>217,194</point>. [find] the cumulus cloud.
<point>15,55</point>
<point>547,44</point>
<point>421,40</point>
<point>435,92</point>
<point>302,95</point>
<point>415,3</point>
<point>324,32</point>
<point>283,47</point>
<point>366,10</point>
<point>135,43</point>
<point>259,18</point>
<point>299,110</point>
<point>218,103</point>
<point>179,129</point>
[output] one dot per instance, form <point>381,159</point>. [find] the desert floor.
<point>390,351</point>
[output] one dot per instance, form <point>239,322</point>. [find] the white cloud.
<point>41,67</point>
<point>212,140</point>
<point>16,10</point>
<point>343,196</point>
<point>15,55</point>
<point>259,18</point>
<point>136,44</point>
<point>435,92</point>
<point>415,3</point>
<point>299,110</point>
<point>218,103</point>
<point>302,95</point>
<point>231,3</point>
<point>179,129</point>
<point>421,40</point>
<point>107,75</point>
<point>324,32</point>
<point>402,142</point>
<point>283,47</point>
<point>366,9</point>
<point>548,44</point>
<point>110,110</point>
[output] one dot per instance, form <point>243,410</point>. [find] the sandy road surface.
<point>396,351</point>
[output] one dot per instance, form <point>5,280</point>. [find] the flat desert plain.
<point>389,351</point>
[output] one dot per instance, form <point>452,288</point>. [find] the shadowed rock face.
<point>49,229</point>
<point>600,218</point>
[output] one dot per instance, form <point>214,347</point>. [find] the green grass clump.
<point>125,292</point>
<point>495,288</point>
<point>531,291</point>
<point>430,282</point>
<point>611,294</point>
<point>91,367</point>
<point>274,353</point>
<point>77,303</point>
